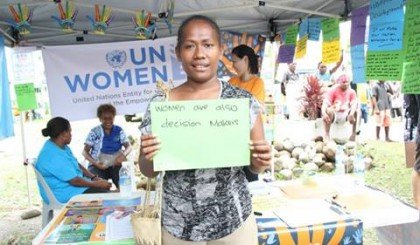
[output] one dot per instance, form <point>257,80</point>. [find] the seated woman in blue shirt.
<point>60,169</point>
<point>103,145</point>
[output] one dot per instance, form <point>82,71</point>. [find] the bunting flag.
<point>22,20</point>
<point>66,17</point>
<point>331,40</point>
<point>101,19</point>
<point>411,44</point>
<point>357,42</point>
<point>6,117</point>
<point>385,50</point>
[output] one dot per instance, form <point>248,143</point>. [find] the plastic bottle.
<point>339,158</point>
<point>125,180</point>
<point>359,170</point>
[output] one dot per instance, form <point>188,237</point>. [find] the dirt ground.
<point>13,188</point>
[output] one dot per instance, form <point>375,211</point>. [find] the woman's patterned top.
<point>205,204</point>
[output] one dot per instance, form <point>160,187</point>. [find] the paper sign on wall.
<point>201,134</point>
<point>26,97</point>
<point>301,47</point>
<point>331,51</point>
<point>411,78</point>
<point>385,65</point>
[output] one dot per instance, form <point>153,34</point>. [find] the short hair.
<point>244,50</point>
<point>55,127</point>
<point>106,108</point>
<point>206,19</point>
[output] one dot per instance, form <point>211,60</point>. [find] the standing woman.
<point>206,206</point>
<point>60,169</point>
<point>245,63</point>
<point>104,145</point>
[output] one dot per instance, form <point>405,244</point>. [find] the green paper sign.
<point>411,78</point>
<point>412,31</point>
<point>25,95</point>
<point>291,34</point>
<point>384,65</point>
<point>330,29</point>
<point>201,134</point>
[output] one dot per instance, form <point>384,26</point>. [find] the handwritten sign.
<point>201,134</point>
<point>411,78</point>
<point>303,28</point>
<point>291,35</point>
<point>301,47</point>
<point>286,54</point>
<point>412,31</point>
<point>386,25</point>
<point>358,63</point>
<point>384,65</point>
<point>26,97</point>
<point>358,25</point>
<point>331,51</point>
<point>385,36</point>
<point>330,29</point>
<point>314,28</point>
<point>384,11</point>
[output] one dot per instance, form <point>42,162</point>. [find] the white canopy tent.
<point>266,17</point>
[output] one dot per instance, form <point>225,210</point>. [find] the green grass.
<point>389,175</point>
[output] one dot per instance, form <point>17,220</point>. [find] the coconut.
<point>327,167</point>
<point>318,146</point>
<point>281,153</point>
<point>319,159</point>
<point>296,152</point>
<point>368,163</point>
<point>278,165</point>
<point>278,145</point>
<point>290,163</point>
<point>319,139</point>
<point>303,157</point>
<point>286,174</point>
<point>311,166</point>
<point>288,145</point>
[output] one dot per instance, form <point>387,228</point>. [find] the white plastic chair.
<point>47,209</point>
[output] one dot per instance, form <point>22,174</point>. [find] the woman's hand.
<point>97,178</point>
<point>149,146</point>
<point>103,184</point>
<point>260,155</point>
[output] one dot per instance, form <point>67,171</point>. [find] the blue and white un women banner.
<point>124,74</point>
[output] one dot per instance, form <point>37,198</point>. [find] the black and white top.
<point>205,204</point>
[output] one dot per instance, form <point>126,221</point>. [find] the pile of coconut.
<point>291,159</point>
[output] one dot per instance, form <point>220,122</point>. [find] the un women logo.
<point>116,58</point>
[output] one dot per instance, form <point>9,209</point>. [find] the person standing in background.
<point>245,63</point>
<point>292,88</point>
<point>324,76</point>
<point>396,101</point>
<point>381,103</point>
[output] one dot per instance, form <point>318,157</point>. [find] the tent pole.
<point>22,132</point>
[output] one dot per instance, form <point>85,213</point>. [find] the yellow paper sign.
<point>301,47</point>
<point>331,51</point>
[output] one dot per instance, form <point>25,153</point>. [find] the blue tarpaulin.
<point>6,117</point>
